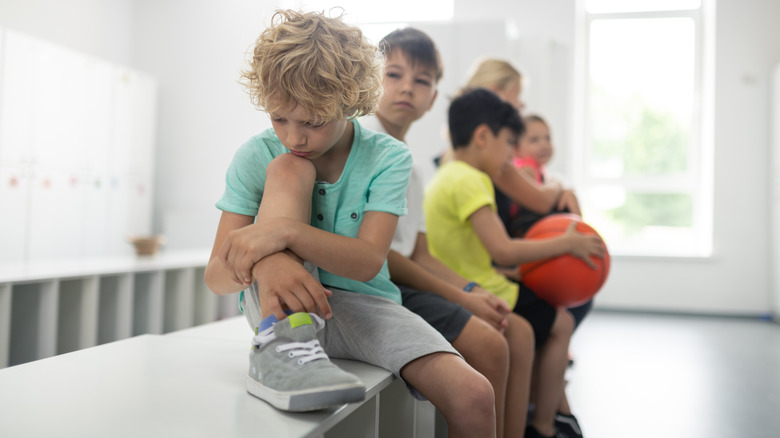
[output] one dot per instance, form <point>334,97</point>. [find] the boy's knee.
<point>522,334</point>
<point>476,399</point>
<point>288,166</point>
<point>564,323</point>
<point>496,347</point>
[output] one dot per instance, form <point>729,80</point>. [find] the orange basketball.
<point>563,281</point>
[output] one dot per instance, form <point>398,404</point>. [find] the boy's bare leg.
<point>275,375</point>
<point>520,336</point>
<point>464,396</point>
<point>287,193</point>
<point>550,366</point>
<point>486,350</point>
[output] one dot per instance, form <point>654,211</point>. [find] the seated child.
<point>466,234</point>
<point>319,191</point>
<point>533,151</point>
<point>503,78</point>
<point>479,325</point>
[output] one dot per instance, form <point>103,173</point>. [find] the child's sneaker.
<point>289,369</point>
<point>566,426</point>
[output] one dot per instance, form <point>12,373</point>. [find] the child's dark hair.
<point>480,106</point>
<point>416,45</point>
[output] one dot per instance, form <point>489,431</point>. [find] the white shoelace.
<point>305,351</point>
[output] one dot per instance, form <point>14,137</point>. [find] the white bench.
<point>188,383</point>
<point>83,339</point>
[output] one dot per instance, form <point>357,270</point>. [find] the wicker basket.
<point>146,245</point>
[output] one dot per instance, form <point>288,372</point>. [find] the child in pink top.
<point>533,151</point>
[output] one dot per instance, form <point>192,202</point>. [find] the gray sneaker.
<point>289,369</point>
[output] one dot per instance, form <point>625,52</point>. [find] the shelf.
<point>56,307</point>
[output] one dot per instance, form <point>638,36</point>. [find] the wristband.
<point>469,287</point>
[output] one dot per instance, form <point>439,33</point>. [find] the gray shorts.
<point>370,329</point>
<point>378,331</point>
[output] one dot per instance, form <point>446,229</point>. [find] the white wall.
<point>97,27</point>
<point>196,48</point>
<point>196,51</point>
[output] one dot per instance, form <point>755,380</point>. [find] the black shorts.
<point>537,312</point>
<point>446,317</point>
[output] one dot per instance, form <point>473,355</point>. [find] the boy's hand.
<point>486,306</point>
<point>584,246</point>
<point>285,284</point>
<point>244,247</point>
<point>568,202</point>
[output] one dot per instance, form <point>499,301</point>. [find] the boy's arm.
<point>280,276</point>
<point>507,251</point>
<point>283,283</point>
<point>358,258</point>
<point>527,171</point>
<point>568,201</point>
<point>522,189</point>
<point>433,265</point>
<point>407,272</point>
<point>219,278</point>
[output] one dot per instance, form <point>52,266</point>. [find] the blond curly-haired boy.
<point>308,214</point>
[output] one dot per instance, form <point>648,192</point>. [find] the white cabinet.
<point>76,152</point>
<point>17,106</point>
<point>14,193</point>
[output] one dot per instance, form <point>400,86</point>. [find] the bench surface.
<point>186,383</point>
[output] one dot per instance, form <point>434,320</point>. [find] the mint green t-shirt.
<point>375,178</point>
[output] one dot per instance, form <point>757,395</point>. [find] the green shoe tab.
<point>299,319</point>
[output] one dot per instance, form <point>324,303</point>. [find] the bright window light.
<point>362,11</point>
<point>642,153</point>
<point>614,6</point>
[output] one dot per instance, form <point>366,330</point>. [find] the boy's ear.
<point>481,134</point>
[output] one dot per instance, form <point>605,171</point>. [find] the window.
<point>643,165</point>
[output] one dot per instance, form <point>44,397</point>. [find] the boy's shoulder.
<point>459,170</point>
<point>456,178</point>
<point>258,150</point>
<point>378,141</point>
<point>261,143</point>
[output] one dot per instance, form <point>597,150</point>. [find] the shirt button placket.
<point>320,217</point>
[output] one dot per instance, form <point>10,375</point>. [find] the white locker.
<point>14,193</point>
<point>96,206</point>
<point>77,138</point>
<point>17,109</point>
<point>59,82</point>
<point>95,133</point>
<point>55,216</point>
<point>133,123</point>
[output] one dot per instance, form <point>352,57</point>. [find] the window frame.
<point>697,180</point>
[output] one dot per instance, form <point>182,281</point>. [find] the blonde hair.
<point>318,62</point>
<point>493,73</point>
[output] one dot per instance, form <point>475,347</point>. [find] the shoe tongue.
<point>297,327</point>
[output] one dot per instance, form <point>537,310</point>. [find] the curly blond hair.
<point>319,62</point>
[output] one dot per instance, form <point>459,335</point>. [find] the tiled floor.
<point>645,375</point>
